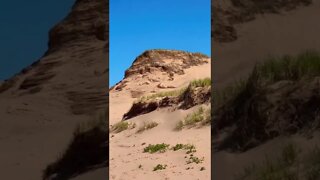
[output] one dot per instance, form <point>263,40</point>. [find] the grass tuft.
<point>304,66</point>
<point>201,116</point>
<point>159,167</point>
<point>121,126</point>
<point>156,148</point>
<point>201,82</point>
<point>146,126</point>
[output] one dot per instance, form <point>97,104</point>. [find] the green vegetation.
<point>291,165</point>
<point>303,66</point>
<point>87,150</point>
<point>162,94</point>
<point>201,116</point>
<point>189,147</point>
<point>146,126</point>
<point>156,148</point>
<point>159,167</point>
<point>201,82</point>
<point>175,93</point>
<point>194,159</point>
<point>121,126</point>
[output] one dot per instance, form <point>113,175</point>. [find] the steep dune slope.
<point>266,34</point>
<point>41,106</point>
<point>289,29</point>
<point>154,72</point>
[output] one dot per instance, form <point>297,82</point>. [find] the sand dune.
<point>41,106</point>
<point>268,34</point>
<point>126,147</point>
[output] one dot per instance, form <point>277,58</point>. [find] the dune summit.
<point>160,117</point>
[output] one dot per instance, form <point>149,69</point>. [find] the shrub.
<point>156,148</point>
<point>200,115</point>
<point>159,167</point>
<point>120,126</point>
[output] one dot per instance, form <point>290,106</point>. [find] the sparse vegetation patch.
<point>120,126</point>
<point>291,165</point>
<point>199,117</point>
<point>201,82</point>
<point>153,148</point>
<point>159,167</point>
<point>146,126</point>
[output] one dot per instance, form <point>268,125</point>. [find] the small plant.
<point>146,126</point>
<point>177,147</point>
<point>194,159</point>
<point>200,115</point>
<point>201,82</point>
<point>179,126</point>
<point>190,148</point>
<point>162,94</point>
<point>156,148</point>
<point>120,126</point>
<point>159,167</point>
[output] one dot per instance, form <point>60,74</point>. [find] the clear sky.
<point>24,27</point>
<point>139,25</point>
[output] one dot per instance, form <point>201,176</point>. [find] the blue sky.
<point>24,27</point>
<point>139,25</point>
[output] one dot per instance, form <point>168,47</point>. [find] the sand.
<point>268,35</point>
<point>126,149</point>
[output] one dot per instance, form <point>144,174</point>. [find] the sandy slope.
<point>126,149</point>
<point>269,34</point>
<point>41,106</point>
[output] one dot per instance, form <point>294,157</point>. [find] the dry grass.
<point>290,165</point>
<point>200,117</point>
<point>87,150</point>
<point>147,126</point>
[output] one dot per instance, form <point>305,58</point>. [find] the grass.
<point>86,151</point>
<point>121,126</point>
<point>312,169</point>
<point>153,148</point>
<point>159,167</point>
<point>201,82</point>
<point>146,126</point>
<point>199,116</point>
<point>189,147</point>
<point>175,93</point>
<point>291,165</point>
<point>194,159</point>
<point>304,66</point>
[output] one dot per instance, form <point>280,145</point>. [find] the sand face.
<point>126,149</point>
<point>268,35</point>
